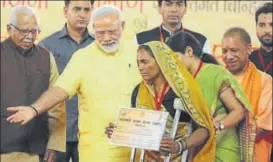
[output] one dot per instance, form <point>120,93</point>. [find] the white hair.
<point>24,10</point>
<point>104,10</point>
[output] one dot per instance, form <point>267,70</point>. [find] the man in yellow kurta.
<point>103,75</point>
<point>257,85</point>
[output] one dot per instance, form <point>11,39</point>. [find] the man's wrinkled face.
<point>78,14</point>
<point>25,31</point>
<point>264,29</point>
<point>235,53</point>
<point>172,12</point>
<point>108,32</point>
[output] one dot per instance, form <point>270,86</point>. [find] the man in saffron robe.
<point>236,47</point>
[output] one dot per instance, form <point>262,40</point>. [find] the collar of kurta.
<point>20,50</point>
<point>179,28</point>
<point>266,53</point>
<point>64,33</point>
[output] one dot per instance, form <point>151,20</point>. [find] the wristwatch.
<point>221,126</point>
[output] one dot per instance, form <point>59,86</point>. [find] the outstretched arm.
<point>66,86</point>
<point>49,99</point>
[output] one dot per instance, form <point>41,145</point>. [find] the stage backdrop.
<point>211,18</point>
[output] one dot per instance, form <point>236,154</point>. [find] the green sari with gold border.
<point>235,144</point>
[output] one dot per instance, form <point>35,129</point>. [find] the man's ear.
<point>9,28</point>
<point>249,49</point>
<point>159,9</point>
<point>185,11</point>
<point>123,25</point>
<point>189,51</point>
<point>65,9</point>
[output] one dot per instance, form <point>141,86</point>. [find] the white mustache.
<point>267,35</point>
<point>110,44</point>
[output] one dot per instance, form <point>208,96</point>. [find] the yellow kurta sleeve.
<point>70,79</point>
<point>57,116</point>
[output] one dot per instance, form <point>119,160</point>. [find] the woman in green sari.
<point>225,98</point>
<point>165,79</point>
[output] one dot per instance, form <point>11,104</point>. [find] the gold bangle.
<point>180,145</point>
<point>186,147</point>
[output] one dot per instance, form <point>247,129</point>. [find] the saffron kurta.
<point>258,88</point>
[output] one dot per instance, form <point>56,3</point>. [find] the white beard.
<point>110,48</point>
<point>113,47</point>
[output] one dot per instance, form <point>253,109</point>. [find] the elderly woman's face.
<point>147,66</point>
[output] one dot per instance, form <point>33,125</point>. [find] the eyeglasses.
<point>109,32</point>
<point>27,31</point>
